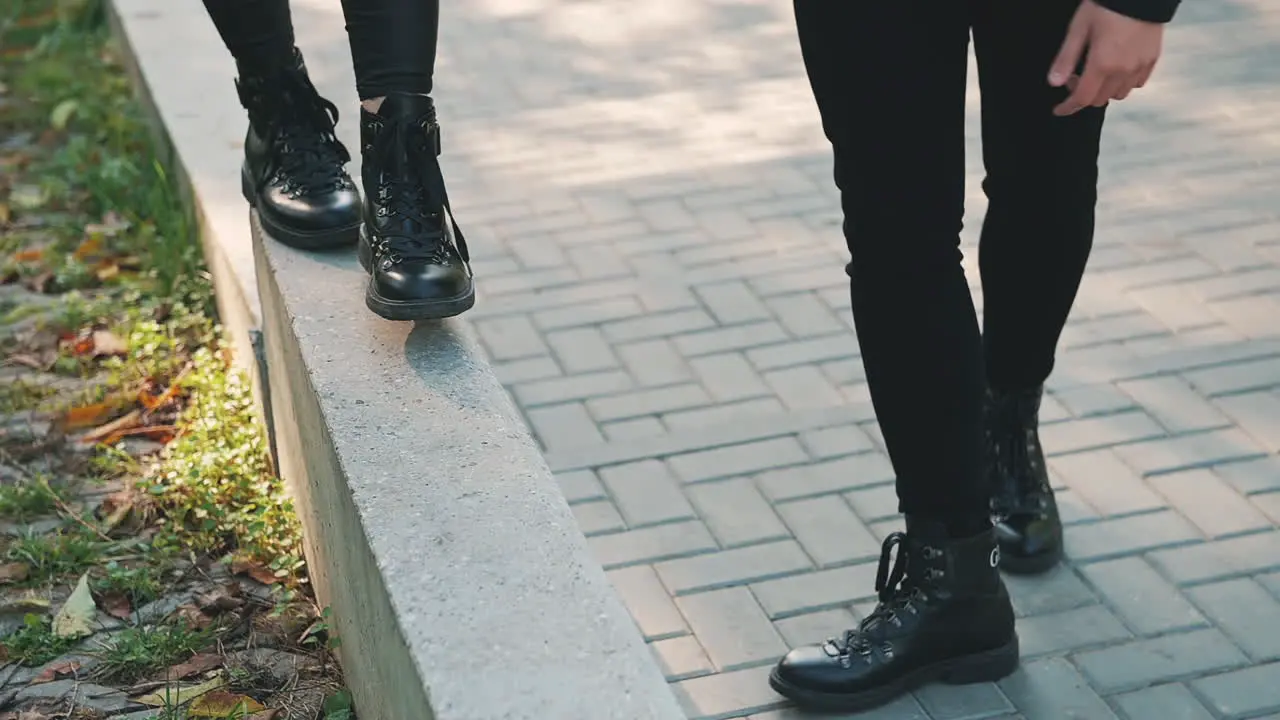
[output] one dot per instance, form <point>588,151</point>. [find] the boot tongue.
<point>404,116</point>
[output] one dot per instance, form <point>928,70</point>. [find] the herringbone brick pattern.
<point>648,195</point>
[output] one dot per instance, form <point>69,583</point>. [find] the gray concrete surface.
<point>648,196</point>
<point>460,584</point>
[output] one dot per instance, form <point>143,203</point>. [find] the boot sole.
<point>437,309</point>
<point>329,239</point>
<point>988,666</point>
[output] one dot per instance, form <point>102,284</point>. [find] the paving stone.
<point>729,694</point>
<point>1245,612</point>
<point>1106,483</point>
<point>1260,374</point>
<point>1174,404</point>
<point>567,425</point>
<point>732,628</point>
<point>729,377</point>
<point>1257,414</point>
<point>829,531</point>
<point>1163,702</point>
<point>652,544</point>
<point>832,476</point>
<point>656,325</point>
<point>1051,688</point>
<point>1162,659</point>
<point>835,442</point>
<point>803,387</point>
<point>596,517</point>
<point>1098,432</point>
<point>874,503</point>
<point>814,591</point>
<point>582,350</point>
<point>1089,400</point>
<point>1147,603</point>
<point>654,362</point>
<point>1057,590</point>
<point>648,602</point>
<point>738,459</point>
<point>1208,502</point>
<point>1220,559</point>
<point>580,486</point>
<point>641,427</point>
<point>566,389</point>
<point>732,302</point>
<point>646,493</point>
<point>737,337</point>
<point>815,627</point>
<point>1061,632</point>
<point>804,315</point>
<point>648,402</point>
<point>803,352</point>
<point>1128,535</point>
<point>905,708</point>
<point>722,414</point>
<point>963,702</point>
<point>732,567</point>
<point>511,337</point>
<point>1243,693</point>
<point>1188,452</point>
<point>1250,476</point>
<point>681,658</point>
<point>736,512</point>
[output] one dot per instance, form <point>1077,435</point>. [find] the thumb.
<point>1068,59</point>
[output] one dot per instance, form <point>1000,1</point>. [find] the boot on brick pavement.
<point>409,243</point>
<point>293,167</point>
<point>944,615</point>
<point>1024,512</point>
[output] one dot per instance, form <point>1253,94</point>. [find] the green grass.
<point>136,652</point>
<point>34,643</point>
<point>27,499</point>
<point>56,554</point>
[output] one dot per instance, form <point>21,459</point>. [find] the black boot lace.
<point>901,590</point>
<point>412,199</point>
<point>308,155</point>
<point>1013,451</point>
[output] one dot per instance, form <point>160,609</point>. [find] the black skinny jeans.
<point>393,42</point>
<point>889,78</point>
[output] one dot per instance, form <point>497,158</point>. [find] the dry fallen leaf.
<point>116,604</point>
<point>106,270</point>
<point>200,663</point>
<point>255,570</point>
<point>56,671</point>
<point>106,342</point>
<point>75,619</point>
<point>14,572</point>
<point>222,704</point>
<point>221,599</point>
<point>131,420</point>
<point>28,256</point>
<point>90,246</point>
<point>191,615</point>
<point>264,715</point>
<point>169,696</point>
<point>84,416</point>
<point>115,508</point>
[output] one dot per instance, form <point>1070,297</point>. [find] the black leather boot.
<point>293,166</point>
<point>1024,511</point>
<point>944,615</point>
<point>409,244</point>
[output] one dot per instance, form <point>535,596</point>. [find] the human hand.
<point>1122,53</point>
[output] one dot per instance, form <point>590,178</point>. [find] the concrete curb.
<point>461,585</point>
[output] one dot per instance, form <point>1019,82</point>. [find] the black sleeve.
<point>1156,11</point>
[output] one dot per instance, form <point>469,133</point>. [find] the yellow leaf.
<point>4,214</point>
<point>61,114</point>
<point>169,696</point>
<point>222,704</point>
<point>75,619</point>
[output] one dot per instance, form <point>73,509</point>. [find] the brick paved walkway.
<point>648,195</point>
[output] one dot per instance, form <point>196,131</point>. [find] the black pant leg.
<point>1041,183</point>
<point>393,45</point>
<point>258,33</point>
<point>889,79</point>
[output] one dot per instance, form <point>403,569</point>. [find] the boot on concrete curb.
<point>1024,511</point>
<point>944,616</point>
<point>409,243</point>
<point>293,171</point>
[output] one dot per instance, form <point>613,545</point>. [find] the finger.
<point>1086,90</point>
<point>1144,75</point>
<point>1117,87</point>
<point>1126,85</point>
<point>1068,59</point>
